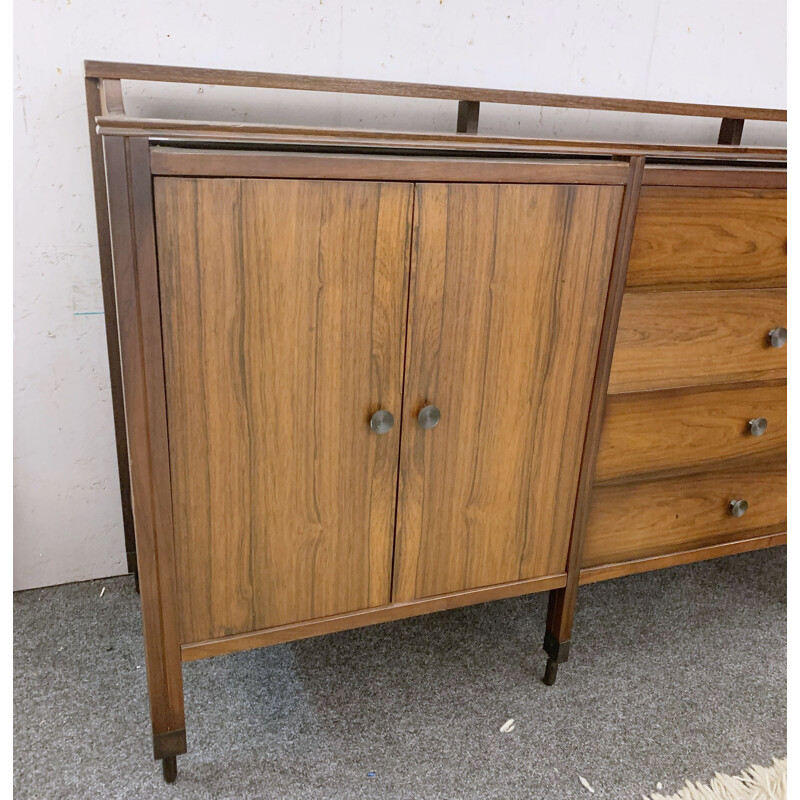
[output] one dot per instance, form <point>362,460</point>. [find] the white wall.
<point>67,519</point>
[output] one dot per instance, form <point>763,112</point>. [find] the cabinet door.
<point>508,287</point>
<point>283,313</point>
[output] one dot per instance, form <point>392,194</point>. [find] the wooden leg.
<point>166,748</point>
<point>560,613</point>
<point>561,606</point>
<point>550,672</point>
<point>130,204</point>
<point>170,768</point>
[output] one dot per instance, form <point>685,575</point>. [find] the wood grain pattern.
<point>619,569</point>
<point>284,314</point>
<point>561,603</point>
<point>637,520</point>
<point>182,161</point>
<point>508,284</point>
<point>314,83</point>
<point>696,238</point>
<point>670,339</point>
<point>369,616</point>
<point>656,432</point>
<point>737,177</point>
<point>130,202</point>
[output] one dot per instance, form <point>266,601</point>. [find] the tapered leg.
<point>170,767</point>
<point>560,613</point>
<point>550,672</point>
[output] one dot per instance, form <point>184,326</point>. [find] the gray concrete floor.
<point>673,675</point>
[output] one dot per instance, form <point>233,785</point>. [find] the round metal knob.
<point>429,417</point>
<point>777,337</point>
<point>381,421</point>
<point>737,507</point>
<point>757,426</point>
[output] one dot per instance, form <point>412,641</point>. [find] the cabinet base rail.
<point>369,616</point>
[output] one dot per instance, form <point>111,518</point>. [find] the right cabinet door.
<point>507,294</point>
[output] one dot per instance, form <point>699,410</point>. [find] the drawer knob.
<point>777,337</point>
<point>429,417</point>
<point>737,507</point>
<point>381,421</point>
<point>757,426</point>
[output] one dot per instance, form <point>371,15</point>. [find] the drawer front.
<point>669,339</point>
<point>662,431</point>
<point>699,238</point>
<point>638,520</point>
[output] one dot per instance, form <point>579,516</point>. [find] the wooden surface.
<point>737,177</point>
<point>562,602</point>
<point>637,520</point>
<point>468,114</point>
<point>181,161</point>
<point>508,285</point>
<point>656,432</point>
<point>697,238</point>
<point>284,313</point>
<point>670,339</point>
<point>371,616</point>
<point>137,293</point>
<point>730,131</point>
<point>619,569</point>
<point>93,106</point>
<point>258,133</point>
<point>275,80</point>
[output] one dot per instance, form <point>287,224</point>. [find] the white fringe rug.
<point>756,783</point>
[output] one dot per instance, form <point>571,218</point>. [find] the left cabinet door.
<point>283,312</point>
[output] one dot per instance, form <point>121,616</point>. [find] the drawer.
<point>699,238</point>
<point>637,520</point>
<point>669,339</point>
<point>682,429</point>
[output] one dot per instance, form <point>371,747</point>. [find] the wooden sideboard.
<point>366,375</point>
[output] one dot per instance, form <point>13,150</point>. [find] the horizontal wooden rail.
<point>369,616</point>
<point>276,80</point>
<point>277,134</point>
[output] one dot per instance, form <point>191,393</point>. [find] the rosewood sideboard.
<point>360,375</point>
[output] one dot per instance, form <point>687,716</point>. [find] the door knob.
<point>777,337</point>
<point>737,507</point>
<point>757,426</point>
<point>381,421</point>
<point>429,417</point>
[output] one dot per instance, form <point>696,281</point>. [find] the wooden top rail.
<point>186,130</point>
<point>275,80</point>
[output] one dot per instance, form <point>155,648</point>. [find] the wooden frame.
<point>95,101</point>
<point>274,80</point>
<point>124,163</point>
<point>130,202</point>
<point>177,161</point>
<point>561,606</point>
<point>106,116</point>
<point>370,616</point>
<point>607,571</point>
<point>717,177</point>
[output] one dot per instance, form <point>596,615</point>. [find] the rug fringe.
<point>756,783</point>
